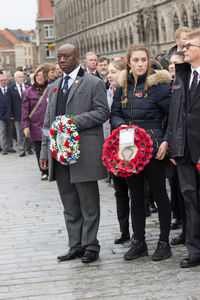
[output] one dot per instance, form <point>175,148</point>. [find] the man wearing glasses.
<point>184,141</point>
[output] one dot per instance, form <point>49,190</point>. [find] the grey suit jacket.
<point>88,104</point>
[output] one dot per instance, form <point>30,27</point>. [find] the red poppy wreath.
<point>124,162</point>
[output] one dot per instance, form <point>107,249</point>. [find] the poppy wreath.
<point>64,140</point>
<point>121,167</point>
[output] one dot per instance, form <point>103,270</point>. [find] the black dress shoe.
<point>30,152</point>
<point>11,150</point>
<point>122,238</point>
<point>190,262</point>
<point>22,153</point>
<point>178,240</point>
<point>90,256</point>
<point>71,254</point>
<point>4,152</point>
<point>138,249</point>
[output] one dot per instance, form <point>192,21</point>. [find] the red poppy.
<point>198,166</point>
<point>69,131</point>
<point>69,154</point>
<point>61,128</point>
<point>52,131</point>
<point>139,95</point>
<point>62,158</point>
<point>66,144</point>
<point>54,90</point>
<point>54,153</point>
<point>69,121</point>
<point>77,138</point>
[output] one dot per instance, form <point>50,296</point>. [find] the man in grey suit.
<point>82,96</point>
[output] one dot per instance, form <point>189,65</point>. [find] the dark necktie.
<point>65,85</point>
<point>194,84</point>
<point>4,91</point>
<point>21,90</point>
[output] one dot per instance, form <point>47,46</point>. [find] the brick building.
<point>45,32</point>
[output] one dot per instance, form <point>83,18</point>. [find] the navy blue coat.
<point>147,112</point>
<point>14,102</point>
<point>3,107</point>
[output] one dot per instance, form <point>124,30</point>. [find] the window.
<point>48,31</point>
<point>7,59</point>
<point>50,53</point>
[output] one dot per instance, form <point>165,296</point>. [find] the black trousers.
<point>155,172</point>
<point>122,202</point>
<point>37,148</point>
<point>177,201</point>
<point>190,186</point>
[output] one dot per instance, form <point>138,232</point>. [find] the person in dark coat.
<point>184,141</point>
<point>143,99</point>
<point>33,126</point>
<point>3,113</point>
<point>14,97</point>
<point>82,96</point>
<point>180,36</point>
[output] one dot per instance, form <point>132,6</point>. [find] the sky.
<point>18,14</point>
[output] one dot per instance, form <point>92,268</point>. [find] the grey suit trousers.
<point>190,186</point>
<point>3,143</point>
<point>81,209</point>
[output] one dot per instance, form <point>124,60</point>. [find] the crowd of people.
<point>161,95</point>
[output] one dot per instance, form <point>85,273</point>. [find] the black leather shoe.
<point>178,240</point>
<point>190,262</point>
<point>90,256</point>
<point>175,223</point>
<point>22,153</point>
<point>4,152</point>
<point>30,152</point>
<point>138,249</point>
<point>11,150</point>
<point>71,254</point>
<point>163,251</point>
<point>122,238</point>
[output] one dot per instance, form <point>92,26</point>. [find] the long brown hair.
<point>130,50</point>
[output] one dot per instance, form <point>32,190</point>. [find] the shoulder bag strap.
<point>38,103</point>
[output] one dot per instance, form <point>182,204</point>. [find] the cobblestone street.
<point>33,233</point>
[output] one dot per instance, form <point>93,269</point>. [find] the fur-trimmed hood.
<point>160,76</point>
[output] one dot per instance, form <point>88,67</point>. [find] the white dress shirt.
<point>72,76</point>
<point>19,89</point>
<point>191,76</point>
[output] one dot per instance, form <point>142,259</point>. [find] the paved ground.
<point>32,234</point>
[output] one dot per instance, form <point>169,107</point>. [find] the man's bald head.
<point>68,58</point>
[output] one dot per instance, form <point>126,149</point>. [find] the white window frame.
<point>48,31</point>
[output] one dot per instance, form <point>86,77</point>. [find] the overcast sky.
<point>15,14</point>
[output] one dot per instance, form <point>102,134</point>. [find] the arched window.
<point>185,18</point>
<point>106,43</point>
<point>176,22</point>
<point>103,43</point>
<point>111,41</point>
<point>121,41</point>
<point>125,39</point>
<point>115,40</point>
<point>163,30</point>
<point>130,35</point>
<point>195,18</point>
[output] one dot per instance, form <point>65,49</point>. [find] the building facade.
<point>107,27</point>
<point>45,32</point>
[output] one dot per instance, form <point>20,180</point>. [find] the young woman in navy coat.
<point>143,99</point>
